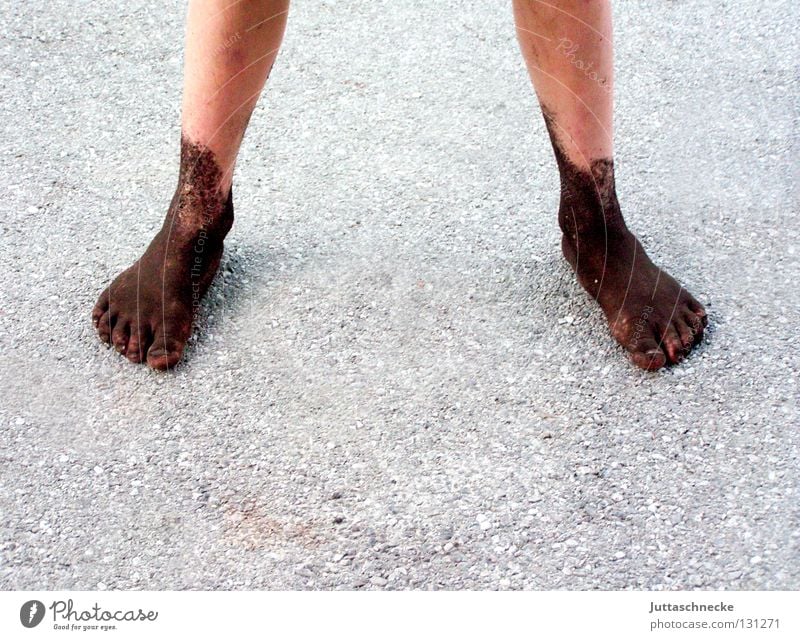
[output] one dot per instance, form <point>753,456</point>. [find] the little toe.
<point>100,307</point>
<point>695,323</point>
<point>120,335</point>
<point>699,310</point>
<point>104,327</point>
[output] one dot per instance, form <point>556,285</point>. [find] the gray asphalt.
<point>397,383</point>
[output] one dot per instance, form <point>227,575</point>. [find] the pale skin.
<point>230,49</point>
<point>147,312</point>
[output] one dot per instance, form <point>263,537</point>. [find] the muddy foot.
<point>147,311</point>
<point>649,313</point>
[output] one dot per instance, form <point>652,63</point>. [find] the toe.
<point>162,358</point>
<point>100,307</point>
<point>104,327</point>
<point>138,342</point>
<point>647,355</point>
<point>165,352</point>
<point>696,324</point>
<point>120,335</point>
<point>641,342</point>
<point>699,310</point>
<point>686,334</point>
<point>671,343</point>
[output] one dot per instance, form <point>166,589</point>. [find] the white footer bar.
<point>439,615</point>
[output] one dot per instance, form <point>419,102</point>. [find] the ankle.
<point>588,205</point>
<point>194,213</point>
<point>203,197</point>
<point>579,220</point>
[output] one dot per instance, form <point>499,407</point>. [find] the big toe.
<point>641,343</point>
<point>647,355</point>
<point>165,352</point>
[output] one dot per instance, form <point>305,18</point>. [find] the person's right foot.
<point>147,311</point>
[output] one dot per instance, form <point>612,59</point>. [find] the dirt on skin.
<point>147,311</point>
<point>649,313</point>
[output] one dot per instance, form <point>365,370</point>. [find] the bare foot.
<point>649,313</point>
<point>147,311</point>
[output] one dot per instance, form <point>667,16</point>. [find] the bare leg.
<point>568,48</point>
<point>147,312</point>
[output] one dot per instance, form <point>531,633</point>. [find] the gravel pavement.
<point>397,383</point>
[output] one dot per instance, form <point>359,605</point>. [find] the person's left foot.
<point>649,313</point>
